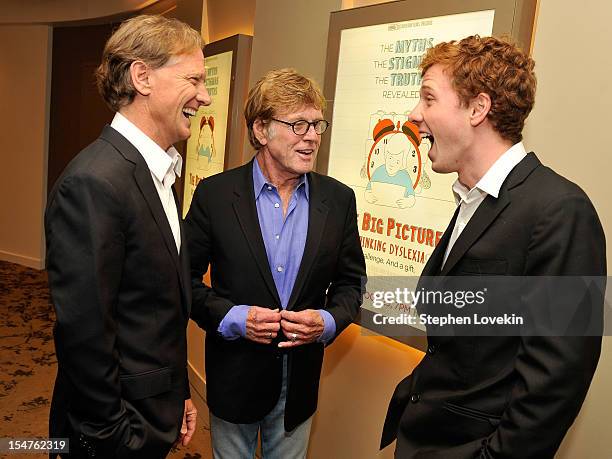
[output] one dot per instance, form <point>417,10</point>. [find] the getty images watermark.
<point>487,306</point>
<point>458,299</point>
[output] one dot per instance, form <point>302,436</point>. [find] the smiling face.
<point>442,119</point>
<point>177,90</point>
<point>286,154</point>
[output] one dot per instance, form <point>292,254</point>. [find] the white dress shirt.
<point>490,184</point>
<point>165,166</point>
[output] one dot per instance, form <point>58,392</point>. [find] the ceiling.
<point>77,11</point>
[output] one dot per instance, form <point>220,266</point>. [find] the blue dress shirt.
<point>284,238</point>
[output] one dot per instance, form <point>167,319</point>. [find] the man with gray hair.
<point>117,261</point>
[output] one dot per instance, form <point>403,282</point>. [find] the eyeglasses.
<point>301,127</point>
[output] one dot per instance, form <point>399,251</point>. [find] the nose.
<point>202,96</point>
<point>415,115</point>
<point>311,134</point>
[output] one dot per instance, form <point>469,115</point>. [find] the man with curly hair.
<point>484,394</point>
<point>117,261</point>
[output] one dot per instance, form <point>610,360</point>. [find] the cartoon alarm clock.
<point>410,141</point>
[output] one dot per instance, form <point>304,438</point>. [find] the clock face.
<point>397,149</point>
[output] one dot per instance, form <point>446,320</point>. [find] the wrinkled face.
<point>442,119</point>
<point>394,154</point>
<point>291,154</point>
<point>177,91</point>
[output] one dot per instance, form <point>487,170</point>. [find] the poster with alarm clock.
<point>205,155</point>
<point>403,206</point>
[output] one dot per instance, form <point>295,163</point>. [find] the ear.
<point>140,74</point>
<point>261,131</point>
<point>480,106</point>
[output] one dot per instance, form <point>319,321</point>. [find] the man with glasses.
<point>286,274</point>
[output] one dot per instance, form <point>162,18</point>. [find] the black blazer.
<point>122,298</point>
<point>506,396</point>
<point>243,378</point>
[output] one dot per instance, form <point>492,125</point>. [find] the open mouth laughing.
<point>188,112</point>
<point>426,136</point>
<point>306,152</point>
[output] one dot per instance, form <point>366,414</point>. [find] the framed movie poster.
<point>217,131</point>
<point>372,83</point>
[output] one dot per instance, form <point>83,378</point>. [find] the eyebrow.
<point>303,118</point>
<point>427,86</point>
<point>426,89</point>
<point>198,76</point>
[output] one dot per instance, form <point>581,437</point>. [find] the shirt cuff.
<point>329,327</point>
<point>233,325</point>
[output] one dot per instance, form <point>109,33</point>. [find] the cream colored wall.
<point>291,34</point>
<point>569,129</point>
<point>230,17</point>
<point>24,88</point>
<point>360,372</point>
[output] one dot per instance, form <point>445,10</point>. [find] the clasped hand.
<point>263,325</point>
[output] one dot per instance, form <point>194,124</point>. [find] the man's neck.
<point>284,182</point>
<point>485,152</point>
<point>135,115</point>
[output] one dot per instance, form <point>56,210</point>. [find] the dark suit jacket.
<point>506,396</point>
<point>122,297</point>
<point>243,378</point>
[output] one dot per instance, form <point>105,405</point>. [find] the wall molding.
<point>24,260</point>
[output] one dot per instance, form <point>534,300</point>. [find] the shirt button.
<point>414,398</point>
<point>277,236</point>
<point>279,269</point>
<point>269,188</point>
<point>277,205</point>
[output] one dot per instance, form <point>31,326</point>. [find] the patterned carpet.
<point>28,363</point>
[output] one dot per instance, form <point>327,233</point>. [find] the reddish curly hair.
<point>494,66</point>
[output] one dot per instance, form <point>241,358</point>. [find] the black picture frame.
<point>513,18</point>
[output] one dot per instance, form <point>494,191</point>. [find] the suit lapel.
<point>184,271</point>
<point>246,213</point>
<point>317,217</point>
<point>434,264</point>
<point>488,211</point>
<point>142,176</point>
